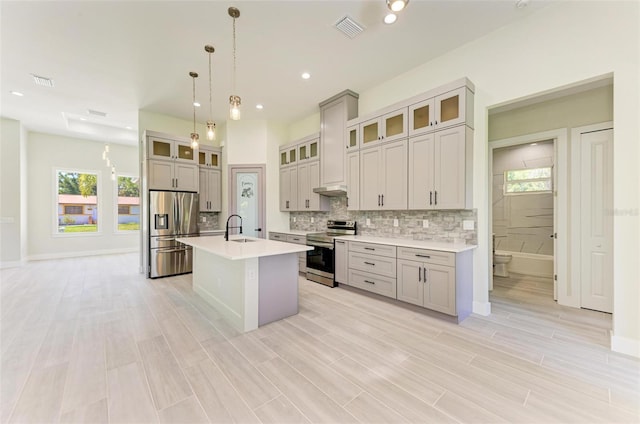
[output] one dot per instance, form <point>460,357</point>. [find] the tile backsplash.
<point>211,221</point>
<point>445,225</point>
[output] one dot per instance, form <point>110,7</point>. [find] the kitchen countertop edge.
<point>239,251</point>
<point>418,244</point>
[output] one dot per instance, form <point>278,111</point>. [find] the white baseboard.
<point>482,308</point>
<point>62,255</point>
<point>12,264</point>
<point>625,345</point>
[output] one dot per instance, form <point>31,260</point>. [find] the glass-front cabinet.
<point>445,110</point>
<point>164,149</point>
<point>288,155</point>
<point>309,150</point>
<point>353,135</point>
<point>208,156</point>
<point>388,127</point>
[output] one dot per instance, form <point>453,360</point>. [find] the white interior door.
<point>247,198</point>
<point>596,202</point>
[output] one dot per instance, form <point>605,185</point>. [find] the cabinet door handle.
<point>436,122</point>
<point>369,248</point>
<point>378,200</point>
<point>435,197</point>
<point>369,282</point>
<point>424,273</point>
<point>347,201</point>
<point>370,263</point>
<point>419,275</point>
<point>431,197</point>
<point>382,200</point>
<point>423,256</point>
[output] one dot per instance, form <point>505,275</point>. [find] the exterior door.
<point>247,198</point>
<point>596,202</point>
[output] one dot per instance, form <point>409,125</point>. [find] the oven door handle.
<point>320,244</point>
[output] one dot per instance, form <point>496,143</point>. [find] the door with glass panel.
<point>247,199</point>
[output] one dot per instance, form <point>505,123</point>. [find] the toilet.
<point>500,261</point>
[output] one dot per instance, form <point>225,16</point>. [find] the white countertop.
<point>294,232</point>
<point>418,244</point>
<point>236,251</point>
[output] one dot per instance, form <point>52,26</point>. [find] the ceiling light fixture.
<point>397,5</point>
<point>16,93</point>
<point>521,4</point>
<point>390,18</point>
<point>196,104</point>
<point>306,75</point>
<point>211,126</point>
<point>234,99</point>
<point>194,135</point>
<point>259,106</point>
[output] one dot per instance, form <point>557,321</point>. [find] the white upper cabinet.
<point>209,156</point>
<point>445,110</point>
<point>388,127</point>
<point>288,155</point>
<point>353,180</point>
<point>440,169</point>
<point>383,177</point>
<point>210,187</point>
<point>309,150</point>
<point>289,189</point>
<point>353,137</point>
<point>166,149</point>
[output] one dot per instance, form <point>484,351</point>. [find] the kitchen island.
<point>250,281</point>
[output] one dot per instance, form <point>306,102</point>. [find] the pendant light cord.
<point>194,103</point>
<point>233,83</point>
<point>210,101</point>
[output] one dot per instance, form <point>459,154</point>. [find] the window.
<point>128,204</point>
<point>531,180</point>
<point>77,202</point>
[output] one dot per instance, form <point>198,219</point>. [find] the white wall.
<point>46,153</point>
<point>11,198</point>
<point>555,47</point>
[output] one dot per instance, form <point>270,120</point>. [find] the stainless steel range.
<point>320,260</point>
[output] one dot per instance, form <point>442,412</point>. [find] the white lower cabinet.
<point>341,265</point>
<point>436,280</point>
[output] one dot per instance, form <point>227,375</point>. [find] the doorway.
<point>527,199</point>
<point>247,197</point>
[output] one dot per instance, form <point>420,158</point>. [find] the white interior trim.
<point>81,253</point>
<point>561,162</point>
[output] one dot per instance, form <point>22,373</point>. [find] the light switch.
<point>395,222</point>
<point>368,222</point>
<point>467,225</point>
<point>425,223</point>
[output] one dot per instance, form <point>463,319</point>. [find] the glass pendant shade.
<point>194,140</point>
<point>211,130</point>
<point>234,107</point>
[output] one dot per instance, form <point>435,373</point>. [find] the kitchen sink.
<point>243,240</point>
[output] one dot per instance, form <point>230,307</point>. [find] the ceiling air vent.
<point>43,81</point>
<point>349,27</point>
<point>96,113</point>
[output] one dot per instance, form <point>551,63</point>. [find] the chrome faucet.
<point>226,231</point>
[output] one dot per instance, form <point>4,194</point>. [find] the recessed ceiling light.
<point>128,127</point>
<point>521,4</point>
<point>397,5</point>
<point>196,104</point>
<point>390,18</point>
<point>83,119</point>
<point>259,106</point>
<point>17,93</point>
<point>306,75</point>
<point>534,144</point>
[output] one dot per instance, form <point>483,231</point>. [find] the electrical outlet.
<point>368,222</point>
<point>425,223</point>
<point>395,222</point>
<point>468,225</point>
<point>294,219</point>
<point>204,219</point>
<point>312,220</point>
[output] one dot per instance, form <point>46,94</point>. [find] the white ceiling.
<point>121,56</point>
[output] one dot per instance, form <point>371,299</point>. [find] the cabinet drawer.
<point>374,283</point>
<point>429,256</point>
<point>373,248</point>
<point>296,239</point>
<point>277,236</point>
<point>380,265</point>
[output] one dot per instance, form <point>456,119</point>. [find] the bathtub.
<point>529,263</point>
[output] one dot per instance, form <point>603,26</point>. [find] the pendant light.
<point>194,135</point>
<point>397,5</point>
<point>234,100</point>
<point>211,126</point>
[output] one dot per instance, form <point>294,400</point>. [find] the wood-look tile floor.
<point>90,340</point>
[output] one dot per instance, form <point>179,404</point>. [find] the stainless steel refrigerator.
<point>172,214</point>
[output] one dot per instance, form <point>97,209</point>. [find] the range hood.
<point>332,191</point>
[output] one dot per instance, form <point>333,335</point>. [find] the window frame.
<point>55,225</point>
<point>505,181</point>
<point>116,205</point>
